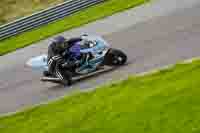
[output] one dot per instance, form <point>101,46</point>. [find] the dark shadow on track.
<point>87,77</point>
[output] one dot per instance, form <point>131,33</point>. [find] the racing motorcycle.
<point>101,55</point>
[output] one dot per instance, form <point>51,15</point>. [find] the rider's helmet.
<point>60,41</point>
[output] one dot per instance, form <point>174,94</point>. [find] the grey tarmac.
<point>153,43</point>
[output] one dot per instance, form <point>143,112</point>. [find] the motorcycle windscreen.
<point>38,63</point>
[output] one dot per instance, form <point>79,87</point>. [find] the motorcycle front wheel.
<point>115,57</point>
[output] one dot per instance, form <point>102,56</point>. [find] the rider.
<point>55,59</point>
<point>57,52</point>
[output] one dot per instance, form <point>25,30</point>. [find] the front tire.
<point>115,57</point>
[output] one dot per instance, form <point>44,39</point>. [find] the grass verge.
<point>83,17</point>
<point>163,102</point>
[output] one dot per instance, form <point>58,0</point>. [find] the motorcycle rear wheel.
<point>67,78</point>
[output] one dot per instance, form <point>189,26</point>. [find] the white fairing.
<point>94,38</point>
<point>38,62</point>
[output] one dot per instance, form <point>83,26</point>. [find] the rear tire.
<point>67,78</point>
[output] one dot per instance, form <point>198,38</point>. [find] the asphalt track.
<point>151,44</point>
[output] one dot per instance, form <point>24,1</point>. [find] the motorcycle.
<point>101,55</point>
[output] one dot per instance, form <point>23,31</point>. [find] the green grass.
<point>90,14</point>
<point>163,102</point>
